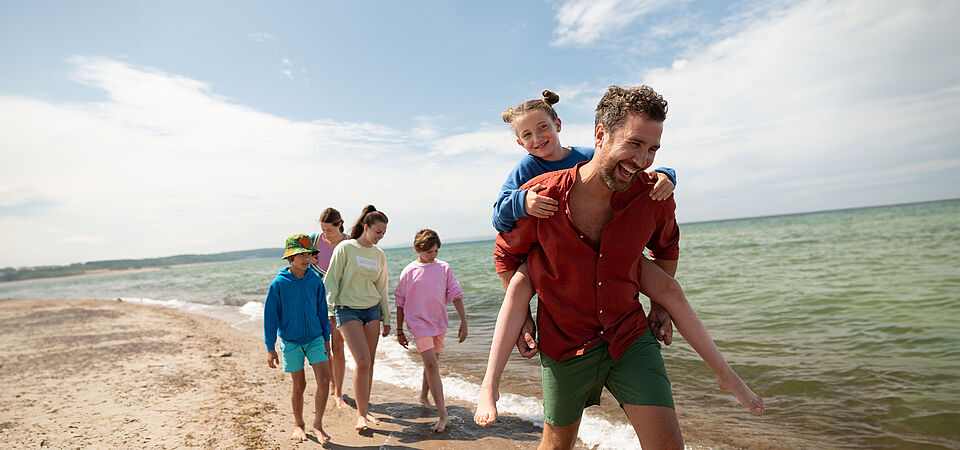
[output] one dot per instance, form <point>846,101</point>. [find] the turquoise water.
<point>846,322</point>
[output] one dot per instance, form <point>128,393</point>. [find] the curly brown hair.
<point>545,103</point>
<point>617,102</point>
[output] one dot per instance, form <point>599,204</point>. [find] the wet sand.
<point>109,374</point>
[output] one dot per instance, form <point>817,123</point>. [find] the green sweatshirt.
<point>357,278</point>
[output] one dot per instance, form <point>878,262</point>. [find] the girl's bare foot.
<point>441,424</point>
<point>361,423</point>
<point>340,402</point>
<point>371,418</point>
<point>322,436</point>
<point>298,434</point>
<point>747,398</point>
<point>486,407</point>
<point>425,401</point>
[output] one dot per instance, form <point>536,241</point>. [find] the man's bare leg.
<point>296,397</point>
<point>555,438</point>
<point>656,426</point>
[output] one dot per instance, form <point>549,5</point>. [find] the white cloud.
<point>165,166</point>
<point>842,91</point>
<point>260,36</point>
<point>582,22</point>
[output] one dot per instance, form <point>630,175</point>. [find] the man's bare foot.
<point>441,424</point>
<point>298,434</point>
<point>361,423</point>
<point>747,398</point>
<point>425,401</point>
<point>372,419</point>
<point>322,436</point>
<point>486,407</point>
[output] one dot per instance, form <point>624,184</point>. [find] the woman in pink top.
<point>426,286</point>
<point>331,226</point>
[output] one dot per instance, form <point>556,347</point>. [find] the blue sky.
<point>139,129</point>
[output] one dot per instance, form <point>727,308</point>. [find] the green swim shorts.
<point>637,378</point>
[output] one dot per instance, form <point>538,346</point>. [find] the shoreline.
<point>118,374</point>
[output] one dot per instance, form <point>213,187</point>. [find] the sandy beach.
<point>110,374</point>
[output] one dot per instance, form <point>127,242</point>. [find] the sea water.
<point>846,322</point>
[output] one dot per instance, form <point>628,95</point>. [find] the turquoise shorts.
<point>293,353</point>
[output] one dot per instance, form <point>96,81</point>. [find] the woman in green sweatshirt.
<point>356,285</point>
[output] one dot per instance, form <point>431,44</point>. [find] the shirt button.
<point>601,331</point>
<point>601,311</point>
<point>601,255</point>
<point>599,283</point>
<point>581,237</point>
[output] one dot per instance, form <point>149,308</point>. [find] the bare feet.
<point>339,401</point>
<point>371,418</point>
<point>441,424</point>
<point>298,434</point>
<point>747,398</point>
<point>425,401</point>
<point>361,423</point>
<point>486,407</point>
<point>322,436</point>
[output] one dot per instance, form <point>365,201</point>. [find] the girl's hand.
<point>541,206</point>
<point>386,330</point>
<point>663,188</point>
<point>462,334</point>
<point>402,339</point>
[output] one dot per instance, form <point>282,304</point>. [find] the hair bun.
<point>549,97</point>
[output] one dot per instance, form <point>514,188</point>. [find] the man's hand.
<point>663,188</point>
<point>272,359</point>
<point>527,343</point>
<point>386,329</point>
<point>402,339</point>
<point>462,334</point>
<point>541,206</point>
<point>660,325</point>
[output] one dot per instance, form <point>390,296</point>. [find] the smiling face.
<point>537,134</point>
<point>628,150</point>
<point>373,233</point>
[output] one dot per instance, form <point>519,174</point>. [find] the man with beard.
<point>585,266</point>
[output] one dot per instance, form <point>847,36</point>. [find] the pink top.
<point>423,293</point>
<point>326,251</point>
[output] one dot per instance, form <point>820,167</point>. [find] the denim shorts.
<point>345,314</point>
<point>293,353</point>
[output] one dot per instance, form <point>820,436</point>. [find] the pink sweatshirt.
<point>423,293</point>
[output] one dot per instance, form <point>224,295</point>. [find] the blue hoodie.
<point>297,307</point>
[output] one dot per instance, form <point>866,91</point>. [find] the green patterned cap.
<point>299,243</point>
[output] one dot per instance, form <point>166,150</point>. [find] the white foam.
<point>402,368</point>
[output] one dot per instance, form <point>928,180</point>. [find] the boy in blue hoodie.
<point>296,306</point>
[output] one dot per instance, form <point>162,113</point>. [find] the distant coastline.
<point>9,274</point>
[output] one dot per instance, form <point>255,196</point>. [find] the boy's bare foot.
<point>747,398</point>
<point>361,423</point>
<point>322,436</point>
<point>441,424</point>
<point>371,418</point>
<point>298,434</point>
<point>425,401</point>
<point>486,407</point>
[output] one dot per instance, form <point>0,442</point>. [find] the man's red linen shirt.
<point>587,294</point>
